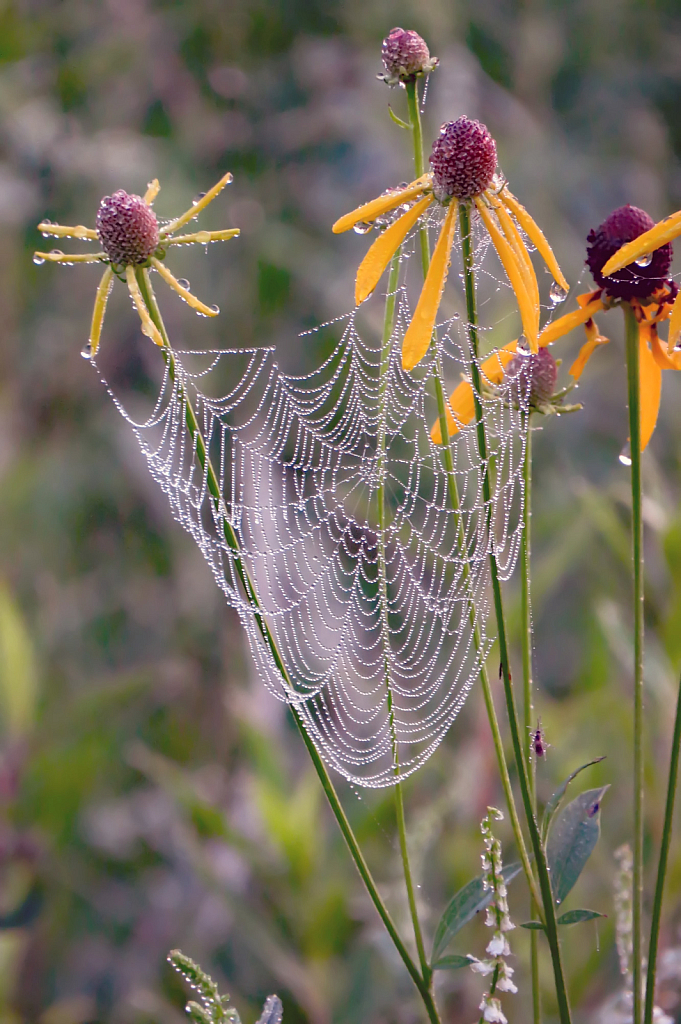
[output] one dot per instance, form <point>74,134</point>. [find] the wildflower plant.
<point>364,520</point>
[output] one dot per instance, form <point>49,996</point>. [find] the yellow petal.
<point>523,257</point>
<point>650,388</point>
<point>461,405</point>
<point>68,257</point>
<point>420,331</point>
<point>674,324</point>
<point>594,339</point>
<point>665,360</point>
<point>534,232</point>
<point>384,248</point>
<point>662,233</point>
<point>153,189</point>
<point>370,211</point>
<point>62,231</point>
<point>196,207</point>
<point>203,237</point>
<point>510,264</point>
<point>101,297</point>
<point>183,292</point>
<point>564,324</point>
<point>148,326</point>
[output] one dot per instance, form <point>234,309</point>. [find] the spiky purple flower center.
<point>463,160</point>
<point>534,375</point>
<point>638,280</point>
<point>127,228</point>
<point>404,53</point>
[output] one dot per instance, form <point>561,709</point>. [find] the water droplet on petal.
<point>557,294</point>
<point>215,309</point>
<point>38,260</point>
<point>86,351</point>
<point>523,346</point>
<point>362,227</point>
<point>56,252</point>
<point>197,199</point>
<point>183,282</point>
<point>625,455</point>
<point>645,260</point>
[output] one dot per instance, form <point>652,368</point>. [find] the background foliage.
<point>151,794</point>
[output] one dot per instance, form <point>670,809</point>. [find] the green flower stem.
<point>526,645</point>
<point>453,494</point>
<point>662,864</point>
<point>521,764</point>
<point>632,341</point>
<point>248,586</point>
<point>388,325</point>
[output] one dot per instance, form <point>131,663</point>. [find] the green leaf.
<point>535,926</point>
<point>572,839</point>
<point>398,120</point>
<point>575,916</point>
<point>451,963</point>
<point>462,907</point>
<point>554,801</point>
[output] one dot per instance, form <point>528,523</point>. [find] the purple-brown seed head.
<point>127,228</point>
<point>638,280</point>
<point>405,55</point>
<point>534,376</point>
<point>463,160</point>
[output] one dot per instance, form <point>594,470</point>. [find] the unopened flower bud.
<point>463,160</point>
<point>534,376</point>
<point>638,280</point>
<point>405,56</point>
<point>127,228</point>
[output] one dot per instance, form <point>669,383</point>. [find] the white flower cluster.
<point>497,917</point>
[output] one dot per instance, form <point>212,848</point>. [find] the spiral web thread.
<point>373,625</point>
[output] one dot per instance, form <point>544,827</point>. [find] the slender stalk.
<point>526,645</point>
<point>632,341</point>
<point>388,324</point>
<point>453,495</point>
<point>662,864</point>
<point>521,765</point>
<point>251,595</point>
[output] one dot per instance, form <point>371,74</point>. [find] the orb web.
<point>369,559</point>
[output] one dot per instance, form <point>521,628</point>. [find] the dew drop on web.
<point>625,455</point>
<point>86,351</point>
<point>362,227</point>
<point>557,294</point>
<point>645,260</point>
<point>523,346</point>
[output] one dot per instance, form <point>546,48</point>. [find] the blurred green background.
<point>152,794</point>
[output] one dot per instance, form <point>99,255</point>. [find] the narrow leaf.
<point>462,907</point>
<point>398,120</point>
<point>534,926</point>
<point>572,838</point>
<point>451,963</point>
<point>575,916</point>
<point>554,801</point>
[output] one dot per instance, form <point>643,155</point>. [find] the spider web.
<point>370,579</point>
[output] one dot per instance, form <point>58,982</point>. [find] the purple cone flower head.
<point>463,160</point>
<point>127,228</point>
<point>534,375</point>
<point>638,280</point>
<point>405,56</point>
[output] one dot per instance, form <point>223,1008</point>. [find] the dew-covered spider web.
<point>366,570</point>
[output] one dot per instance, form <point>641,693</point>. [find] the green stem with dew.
<point>550,924</point>
<point>633,370</point>
<point>662,864</point>
<point>248,586</point>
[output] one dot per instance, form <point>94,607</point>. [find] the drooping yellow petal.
<point>564,324</point>
<point>674,324</point>
<point>203,237</point>
<point>523,257</point>
<point>663,232</point>
<point>196,207</point>
<point>510,265</point>
<point>68,258</point>
<point>62,231</point>
<point>534,232</point>
<point>153,189</point>
<point>650,386</point>
<point>101,298</point>
<point>384,248</point>
<point>148,326</point>
<point>190,299</point>
<point>420,331</point>
<point>665,360</point>
<point>370,211</point>
<point>461,405</point>
<point>593,340</point>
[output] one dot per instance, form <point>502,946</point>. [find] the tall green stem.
<point>453,496</point>
<point>662,864</point>
<point>521,764</point>
<point>250,592</point>
<point>632,340</point>
<point>526,645</point>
